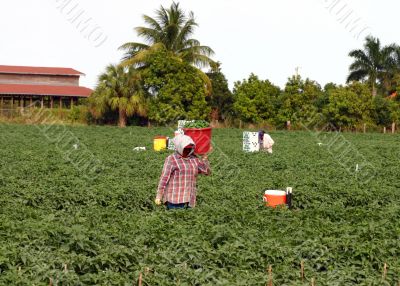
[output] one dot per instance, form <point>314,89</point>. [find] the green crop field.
<point>76,208</point>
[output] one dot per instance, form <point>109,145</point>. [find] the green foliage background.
<point>255,99</point>
<point>177,90</point>
<point>346,107</point>
<point>221,97</point>
<point>108,230</point>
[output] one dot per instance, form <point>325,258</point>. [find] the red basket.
<point>201,137</point>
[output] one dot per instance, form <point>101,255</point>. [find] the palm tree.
<point>371,64</point>
<point>171,29</point>
<point>119,88</point>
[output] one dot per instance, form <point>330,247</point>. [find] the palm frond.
<point>150,35</point>
<point>170,29</point>
<point>115,88</point>
<point>142,56</point>
<point>203,50</point>
<point>133,46</point>
<point>358,65</point>
<point>162,16</point>
<point>176,15</point>
<point>186,31</point>
<point>198,60</point>
<point>131,50</point>
<point>356,75</point>
<point>114,103</point>
<point>152,23</point>
<point>360,56</point>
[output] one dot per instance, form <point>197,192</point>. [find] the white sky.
<point>268,38</point>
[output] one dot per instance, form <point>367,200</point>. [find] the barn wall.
<point>39,79</point>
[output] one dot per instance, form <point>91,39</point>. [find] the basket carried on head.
<point>200,132</point>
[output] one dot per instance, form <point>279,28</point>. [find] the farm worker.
<point>266,142</point>
<point>177,187</point>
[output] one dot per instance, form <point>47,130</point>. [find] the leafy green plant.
<point>56,223</point>
<point>196,124</point>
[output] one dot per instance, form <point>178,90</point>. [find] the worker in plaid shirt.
<point>177,187</point>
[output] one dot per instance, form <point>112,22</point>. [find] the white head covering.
<point>181,141</point>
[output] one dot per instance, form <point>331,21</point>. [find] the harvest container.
<point>201,137</point>
<point>250,141</point>
<point>273,198</point>
<point>160,143</point>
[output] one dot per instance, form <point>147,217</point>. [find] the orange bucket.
<point>273,198</point>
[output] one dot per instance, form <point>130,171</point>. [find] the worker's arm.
<point>204,165</point>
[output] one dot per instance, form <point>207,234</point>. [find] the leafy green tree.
<point>176,89</point>
<point>298,102</point>
<point>323,99</point>
<point>394,108</point>
<point>172,29</point>
<point>119,89</point>
<point>255,99</point>
<point>221,99</point>
<point>393,80</point>
<point>348,106</point>
<point>372,64</point>
<point>395,91</point>
<point>382,111</point>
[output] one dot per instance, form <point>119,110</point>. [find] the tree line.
<point>162,80</point>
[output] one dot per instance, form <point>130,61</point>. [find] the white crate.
<point>250,141</point>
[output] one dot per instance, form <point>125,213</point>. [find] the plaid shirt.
<point>178,179</point>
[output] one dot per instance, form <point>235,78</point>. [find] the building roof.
<point>39,70</point>
<point>31,89</point>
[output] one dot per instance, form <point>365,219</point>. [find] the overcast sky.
<point>268,38</point>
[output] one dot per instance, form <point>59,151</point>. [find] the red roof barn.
<point>22,86</point>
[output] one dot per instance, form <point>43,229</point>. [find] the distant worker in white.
<point>265,141</point>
